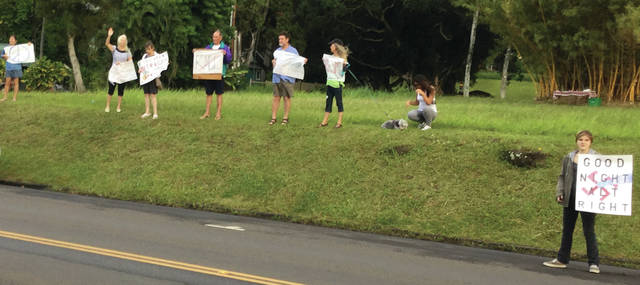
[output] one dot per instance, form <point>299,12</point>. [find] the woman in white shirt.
<point>426,102</point>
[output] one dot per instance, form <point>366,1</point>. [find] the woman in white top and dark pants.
<point>426,102</point>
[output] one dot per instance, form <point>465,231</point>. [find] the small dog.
<point>395,124</point>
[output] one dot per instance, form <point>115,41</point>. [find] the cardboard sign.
<point>288,64</point>
<point>123,72</point>
<point>334,66</point>
<point>23,53</point>
<point>207,64</point>
<point>604,184</point>
<point>151,67</point>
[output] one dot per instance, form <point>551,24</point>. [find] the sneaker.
<point>155,116</point>
<point>554,264</point>
<point>107,110</point>
<point>426,128</point>
<point>145,115</point>
<point>421,125</point>
<point>594,269</point>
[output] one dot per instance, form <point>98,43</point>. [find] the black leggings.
<point>569,217</point>
<point>112,87</point>
<point>333,92</point>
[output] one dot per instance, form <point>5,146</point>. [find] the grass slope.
<point>450,183</point>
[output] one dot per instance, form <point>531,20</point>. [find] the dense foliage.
<point>44,74</point>
<point>574,45</point>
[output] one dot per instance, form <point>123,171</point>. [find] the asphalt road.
<point>56,238</point>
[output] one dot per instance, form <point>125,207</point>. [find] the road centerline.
<point>147,259</point>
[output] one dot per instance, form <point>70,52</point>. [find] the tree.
<point>17,17</point>
<point>174,26</point>
<point>78,19</point>
<point>569,45</point>
<point>393,40</point>
<point>505,74</point>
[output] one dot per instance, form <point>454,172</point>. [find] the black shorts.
<point>150,87</point>
<point>112,88</point>
<point>211,86</point>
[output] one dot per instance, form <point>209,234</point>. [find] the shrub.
<point>44,74</point>
<point>523,158</point>
<point>237,78</point>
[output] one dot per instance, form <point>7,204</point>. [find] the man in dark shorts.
<point>217,86</point>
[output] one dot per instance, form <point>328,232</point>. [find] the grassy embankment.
<point>449,185</point>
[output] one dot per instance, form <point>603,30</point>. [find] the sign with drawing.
<point>151,67</point>
<point>207,64</point>
<point>334,67</point>
<point>604,184</point>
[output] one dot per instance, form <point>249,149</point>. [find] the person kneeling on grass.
<point>150,88</point>
<point>566,196</point>
<point>426,102</point>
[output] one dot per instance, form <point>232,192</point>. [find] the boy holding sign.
<point>150,88</point>
<point>13,70</point>
<point>566,196</point>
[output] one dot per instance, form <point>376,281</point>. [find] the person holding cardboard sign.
<point>216,85</point>
<point>120,54</point>
<point>565,196</point>
<point>13,71</point>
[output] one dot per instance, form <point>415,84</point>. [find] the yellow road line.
<point>148,259</point>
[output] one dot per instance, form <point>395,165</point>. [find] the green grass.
<point>451,185</point>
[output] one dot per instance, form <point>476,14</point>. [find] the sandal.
<point>285,121</point>
<point>338,126</point>
<point>323,125</point>
<point>273,121</point>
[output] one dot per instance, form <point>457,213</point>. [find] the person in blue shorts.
<point>13,72</point>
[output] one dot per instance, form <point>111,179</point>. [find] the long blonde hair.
<point>342,51</point>
<point>123,38</point>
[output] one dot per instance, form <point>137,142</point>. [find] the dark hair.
<point>584,133</point>
<point>13,35</point>
<point>422,82</point>
<point>149,44</point>
<point>285,34</point>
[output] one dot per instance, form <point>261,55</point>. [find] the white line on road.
<point>234,228</point>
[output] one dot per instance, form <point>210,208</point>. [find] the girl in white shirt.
<point>426,102</point>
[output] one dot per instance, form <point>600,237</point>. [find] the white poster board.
<point>334,66</point>
<point>604,184</point>
<point>23,53</point>
<point>289,64</point>
<point>207,61</point>
<point>123,72</point>
<point>151,67</point>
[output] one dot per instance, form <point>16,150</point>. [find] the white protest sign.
<point>23,53</point>
<point>288,64</point>
<point>334,66</point>
<point>604,184</point>
<point>151,67</point>
<point>122,72</point>
<point>207,61</point>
